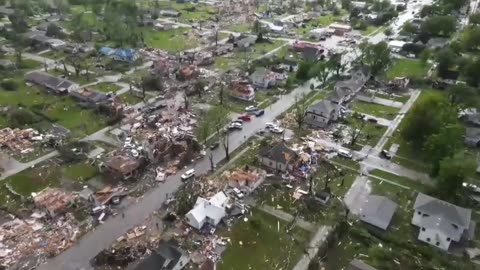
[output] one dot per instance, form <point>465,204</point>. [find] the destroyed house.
<point>168,256</point>
<point>210,211</point>
<point>242,90</point>
<point>53,201</point>
<point>50,82</point>
<point>278,157</point>
<point>123,166</point>
<point>246,180</point>
<point>89,96</point>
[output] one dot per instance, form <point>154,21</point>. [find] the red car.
<point>245,117</point>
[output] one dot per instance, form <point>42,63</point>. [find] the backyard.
<point>374,109</point>
<point>106,87</point>
<point>262,242</point>
<point>407,68</point>
<point>174,40</point>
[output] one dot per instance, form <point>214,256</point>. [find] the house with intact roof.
<point>278,157</point>
<point>441,222</point>
<point>378,211</point>
<point>50,82</point>
<point>210,211</point>
<point>263,78</point>
<point>321,114</point>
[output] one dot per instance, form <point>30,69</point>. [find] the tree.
<point>303,70</point>
<point>221,93</point>
<point>186,102</point>
<point>453,172</point>
<point>322,71</point>
<point>474,19</point>
<point>471,72</point>
<point>470,39</point>
<point>424,119</point>
<point>346,4</point>
<point>301,107</point>
<point>62,6</point>
<point>462,95</point>
<point>335,63</point>
<point>19,21</point>
<point>388,32</point>
<point>226,145</point>
<point>446,60</point>
<point>381,5</point>
<point>409,29</point>
<point>199,87</point>
<point>425,55</point>
<point>357,127</point>
<point>377,56</point>
<point>74,61</point>
<point>443,144</point>
<point>204,131</point>
<point>439,26</point>
<point>19,44</point>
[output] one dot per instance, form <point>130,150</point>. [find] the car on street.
<point>188,174</point>
<point>270,125</point>
<point>238,121</point>
<point>385,154</point>
<point>259,113</point>
<point>251,108</point>
<point>345,153</point>
<point>235,125</point>
<point>245,117</point>
<point>277,130</point>
<point>214,145</point>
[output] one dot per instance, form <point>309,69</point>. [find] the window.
<point>438,243</point>
<point>428,239</point>
<point>419,212</point>
<point>423,229</point>
<point>448,239</point>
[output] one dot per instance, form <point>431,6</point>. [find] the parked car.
<point>259,113</point>
<point>344,153</point>
<point>214,146</point>
<point>270,125</point>
<point>238,193</point>
<point>277,130</point>
<point>385,154</point>
<point>235,125</point>
<point>245,117</point>
<point>251,108</point>
<point>188,174</point>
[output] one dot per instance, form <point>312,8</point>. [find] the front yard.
<point>407,68</point>
<point>263,242</point>
<point>174,40</point>
<point>374,109</point>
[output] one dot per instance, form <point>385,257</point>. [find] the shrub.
<point>9,85</point>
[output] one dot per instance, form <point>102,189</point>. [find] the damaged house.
<point>123,166</point>
<point>321,114</point>
<point>278,157</point>
<point>245,179</point>
<point>210,211</point>
<point>53,201</point>
<point>242,90</point>
<point>263,78</point>
<point>168,256</point>
<point>345,90</point>
<point>88,96</point>
<point>51,83</point>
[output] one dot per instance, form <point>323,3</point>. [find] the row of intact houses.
<point>326,111</point>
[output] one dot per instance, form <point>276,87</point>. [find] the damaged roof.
<point>279,152</point>
<point>123,164</point>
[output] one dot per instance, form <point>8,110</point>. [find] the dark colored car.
<point>385,154</point>
<point>245,117</point>
<point>259,113</point>
<point>214,145</point>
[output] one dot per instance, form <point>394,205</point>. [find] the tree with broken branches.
<point>186,102</point>
<point>226,145</point>
<point>221,93</point>
<point>356,127</point>
<point>75,61</point>
<point>199,87</point>
<point>301,107</point>
<point>210,158</point>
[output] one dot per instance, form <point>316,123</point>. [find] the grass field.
<point>172,40</point>
<point>262,242</point>
<point>373,109</point>
<point>80,171</point>
<point>245,27</point>
<point>407,68</point>
<point>106,87</point>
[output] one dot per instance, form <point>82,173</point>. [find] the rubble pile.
<point>35,237</point>
<point>19,140</point>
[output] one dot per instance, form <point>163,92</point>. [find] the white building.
<point>396,45</point>
<point>208,211</point>
<point>441,222</point>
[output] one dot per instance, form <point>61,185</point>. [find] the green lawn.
<point>370,29</point>
<point>130,99</point>
<point>60,109</point>
<point>172,40</point>
<point>407,68</point>
<point>371,132</point>
<point>413,184</point>
<point>106,87</point>
<point>81,171</point>
<point>400,98</point>
<point>374,109</point>
<point>262,242</point>
<point>190,12</point>
<point>55,55</point>
<point>244,27</point>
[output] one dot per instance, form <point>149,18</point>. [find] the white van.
<point>238,193</point>
<point>188,174</point>
<point>344,153</point>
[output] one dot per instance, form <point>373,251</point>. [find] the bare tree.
<point>357,128</point>
<point>301,107</point>
<point>186,101</point>
<point>210,158</point>
<point>75,62</point>
<point>226,145</point>
<point>221,93</point>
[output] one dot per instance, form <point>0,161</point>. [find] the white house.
<point>396,45</point>
<point>208,211</point>
<point>441,222</point>
<point>263,78</point>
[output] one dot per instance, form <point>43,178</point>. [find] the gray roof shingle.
<point>380,207</point>
<point>450,212</point>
